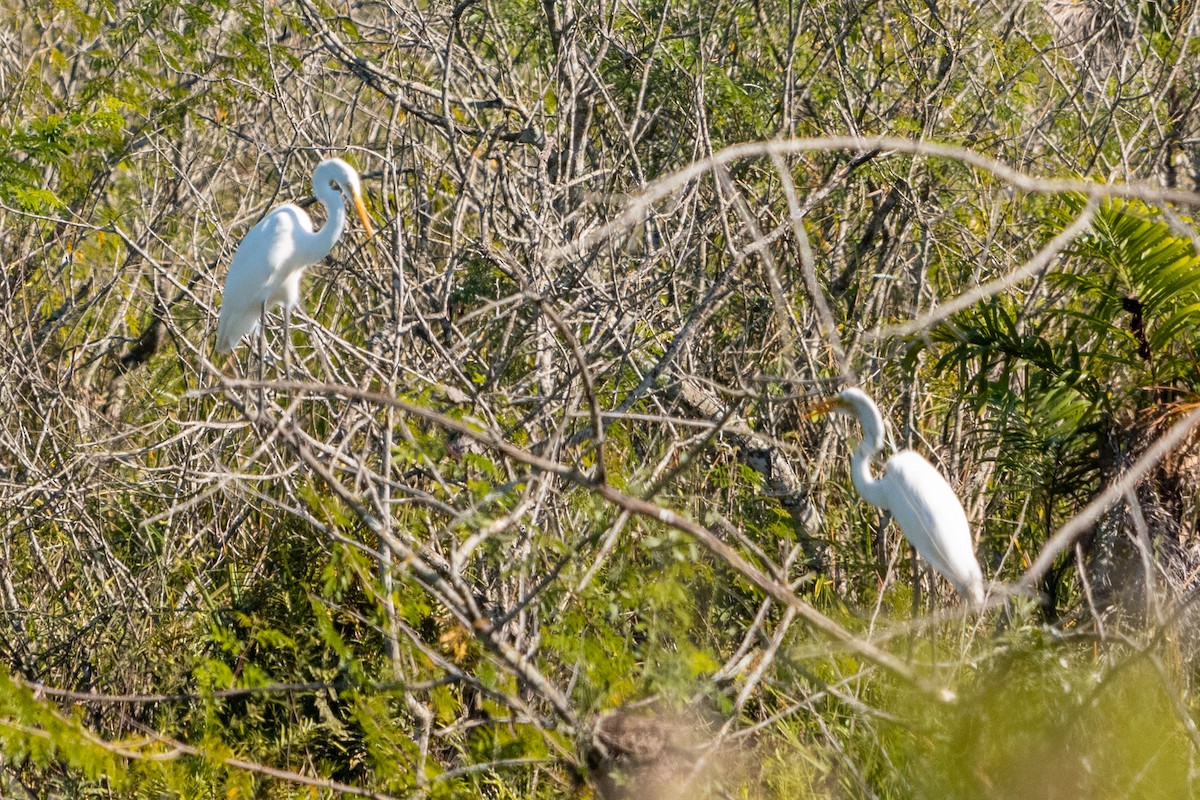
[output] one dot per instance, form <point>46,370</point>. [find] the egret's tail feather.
<point>230,331</point>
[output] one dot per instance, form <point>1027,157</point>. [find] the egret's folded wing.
<point>253,273</point>
<point>932,518</point>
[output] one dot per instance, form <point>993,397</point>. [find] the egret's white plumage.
<point>925,507</point>
<point>272,256</point>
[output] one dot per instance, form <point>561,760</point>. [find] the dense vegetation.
<point>540,512</point>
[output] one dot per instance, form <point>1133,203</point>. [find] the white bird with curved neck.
<point>271,258</point>
<point>924,505</point>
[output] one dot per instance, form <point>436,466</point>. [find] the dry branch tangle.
<point>496,441</point>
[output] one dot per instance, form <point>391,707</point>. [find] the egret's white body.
<point>272,256</point>
<point>925,507</point>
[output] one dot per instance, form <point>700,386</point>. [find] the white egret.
<point>925,507</point>
<point>269,261</point>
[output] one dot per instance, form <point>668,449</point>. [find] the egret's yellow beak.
<point>824,407</point>
<point>362,213</point>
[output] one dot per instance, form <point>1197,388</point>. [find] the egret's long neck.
<point>335,223</point>
<point>860,464</point>
<point>860,472</point>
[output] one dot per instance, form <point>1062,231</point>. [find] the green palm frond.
<point>1134,261</point>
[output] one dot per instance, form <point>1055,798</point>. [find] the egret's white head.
<point>858,404</point>
<point>853,402</point>
<point>334,173</point>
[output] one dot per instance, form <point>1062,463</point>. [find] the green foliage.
<point>30,147</point>
<point>34,731</point>
<point>1111,336</point>
<point>1050,719</point>
<point>1135,262</point>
